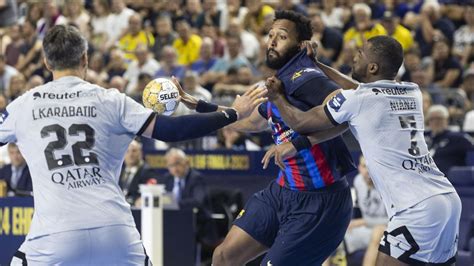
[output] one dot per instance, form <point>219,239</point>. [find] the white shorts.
<point>426,232</point>
<point>111,245</point>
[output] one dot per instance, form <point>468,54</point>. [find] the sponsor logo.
<point>3,116</point>
<point>337,101</point>
<point>240,214</point>
<point>78,178</point>
<point>421,165</point>
<point>390,91</point>
<point>61,96</point>
<point>296,75</point>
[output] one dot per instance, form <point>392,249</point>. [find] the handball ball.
<point>161,95</point>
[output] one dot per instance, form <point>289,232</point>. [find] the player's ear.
<point>373,68</point>
<point>47,64</point>
<point>84,60</point>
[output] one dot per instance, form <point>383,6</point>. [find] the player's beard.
<point>282,59</point>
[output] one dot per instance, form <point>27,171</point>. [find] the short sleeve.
<point>343,107</point>
<point>7,122</point>
<point>132,116</point>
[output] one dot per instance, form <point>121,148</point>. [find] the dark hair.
<point>388,53</point>
<point>64,47</point>
<point>302,23</point>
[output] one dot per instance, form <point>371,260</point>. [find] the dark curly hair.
<point>302,23</point>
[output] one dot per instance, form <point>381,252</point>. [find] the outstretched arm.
<point>197,125</point>
<point>343,80</point>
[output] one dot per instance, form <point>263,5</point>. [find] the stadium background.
<point>219,50</point>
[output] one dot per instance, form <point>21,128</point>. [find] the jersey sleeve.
<point>343,107</point>
<point>8,121</point>
<point>132,116</point>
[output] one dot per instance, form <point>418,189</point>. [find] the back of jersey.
<point>389,125</point>
<point>73,136</point>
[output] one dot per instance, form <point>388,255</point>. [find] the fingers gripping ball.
<point>161,95</point>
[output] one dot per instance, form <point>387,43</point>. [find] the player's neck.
<point>68,72</point>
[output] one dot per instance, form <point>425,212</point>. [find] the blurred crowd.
<point>216,48</point>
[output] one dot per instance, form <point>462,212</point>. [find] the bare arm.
<point>344,81</point>
<point>286,150</point>
<point>302,122</point>
<point>254,123</point>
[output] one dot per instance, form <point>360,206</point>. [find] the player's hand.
<point>275,88</point>
<point>280,152</point>
<point>252,98</point>
<point>186,98</point>
<point>311,49</point>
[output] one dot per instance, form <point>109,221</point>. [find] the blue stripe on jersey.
<point>289,175</point>
<point>312,168</point>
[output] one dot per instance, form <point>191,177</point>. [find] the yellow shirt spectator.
<point>129,43</point>
<point>188,52</point>
<point>403,36</point>
<point>354,35</point>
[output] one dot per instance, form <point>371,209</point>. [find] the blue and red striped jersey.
<point>323,164</point>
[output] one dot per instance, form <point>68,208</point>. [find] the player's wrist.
<point>206,107</point>
<point>231,113</point>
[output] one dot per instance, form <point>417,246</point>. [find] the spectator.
<point>134,37</point>
<point>164,35</point>
<point>187,44</point>
<point>231,139</point>
<point>101,18</point>
<point>207,59</point>
<point>16,174</point>
<point>344,62</point>
<point>365,232</point>
<point>17,87</point>
<point>8,13</point>
<point>208,30</point>
<point>191,86</point>
<point>236,82</point>
<point>116,65</point>
<point>6,73</point>
<point>77,15</point>
<point>447,69</point>
<point>235,9</point>
<point>97,64</point>
<point>334,16</point>
<point>293,6</point>
<point>432,27</point>
<point>392,25</point>
<point>119,83</point>
<point>12,52</point>
<point>30,50</point>
<point>192,13</point>
<point>212,15</point>
<point>169,64</point>
<point>256,16</point>
<point>51,17</point>
<point>135,171</point>
<point>233,59</point>
<point>186,184</point>
<point>119,19</point>
<point>446,147</point>
<point>364,27</point>
<point>464,38</point>
<point>143,64</point>
<point>34,82</point>
<point>251,49</point>
<point>329,40</point>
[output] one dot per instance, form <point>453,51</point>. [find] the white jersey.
<point>386,117</point>
<point>74,135</point>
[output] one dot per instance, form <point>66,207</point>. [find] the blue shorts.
<point>299,227</point>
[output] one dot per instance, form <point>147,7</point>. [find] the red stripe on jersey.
<point>296,174</point>
<point>322,164</point>
<point>281,180</point>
